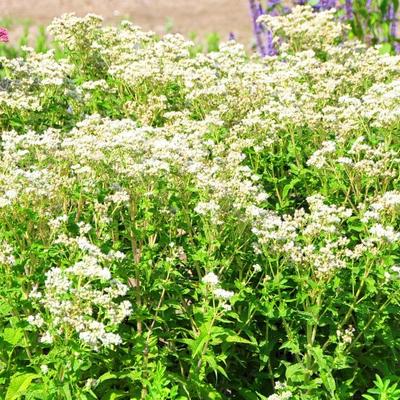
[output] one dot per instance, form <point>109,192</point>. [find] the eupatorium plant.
<point>180,225</point>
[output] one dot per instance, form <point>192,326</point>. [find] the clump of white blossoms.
<point>303,29</point>
<point>212,281</point>
<point>347,336</point>
<point>362,159</point>
<point>82,299</point>
<point>6,254</point>
<point>282,393</point>
<point>307,239</point>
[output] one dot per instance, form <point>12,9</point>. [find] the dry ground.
<point>200,16</point>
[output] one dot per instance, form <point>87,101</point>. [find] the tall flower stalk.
<point>255,13</point>
<point>349,9</point>
<point>264,38</point>
<point>392,20</point>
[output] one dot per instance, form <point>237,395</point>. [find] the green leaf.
<point>5,308</point>
<point>67,392</point>
<point>289,187</point>
<point>13,335</point>
<point>295,373</point>
<point>19,384</point>
<point>386,48</point>
<point>115,394</point>
<point>237,339</point>
<point>106,376</point>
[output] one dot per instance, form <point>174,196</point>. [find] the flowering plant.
<point>179,225</point>
<point>371,21</point>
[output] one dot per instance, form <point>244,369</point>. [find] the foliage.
<point>383,389</point>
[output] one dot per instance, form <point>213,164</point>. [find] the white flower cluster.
<point>361,159</point>
<point>212,280</point>
<point>312,239</point>
<point>282,392</point>
<point>6,254</point>
<point>27,77</point>
<point>303,29</point>
<point>75,30</point>
<point>346,336</point>
<point>83,298</point>
<point>318,159</point>
<point>387,233</point>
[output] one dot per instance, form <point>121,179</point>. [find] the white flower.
<point>345,160</point>
<point>257,268</point>
<point>210,279</point>
<point>279,385</point>
<point>34,294</point>
<point>46,338</point>
<point>36,320</point>
<point>120,196</point>
<point>111,339</point>
<point>348,335</point>
<point>44,368</point>
<point>90,268</point>
<point>203,208</point>
<point>274,397</point>
<point>396,270</point>
<point>84,228</point>
<point>384,232</point>
<point>90,383</point>
<point>57,222</point>
<point>223,294</point>
<point>56,280</point>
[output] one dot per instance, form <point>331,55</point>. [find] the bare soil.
<point>185,16</point>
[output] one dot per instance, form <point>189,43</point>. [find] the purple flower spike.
<point>271,51</point>
<point>392,20</point>
<point>368,5</point>
<point>286,10</point>
<point>325,5</point>
<point>3,35</point>
<point>349,9</point>
<point>255,13</point>
<point>231,36</point>
<point>272,3</point>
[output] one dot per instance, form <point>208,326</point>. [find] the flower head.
<point>210,279</point>
<point>223,294</point>
<point>3,35</point>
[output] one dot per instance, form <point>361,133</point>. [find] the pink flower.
<point>3,35</point>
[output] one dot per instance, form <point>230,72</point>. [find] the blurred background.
<point>189,17</point>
